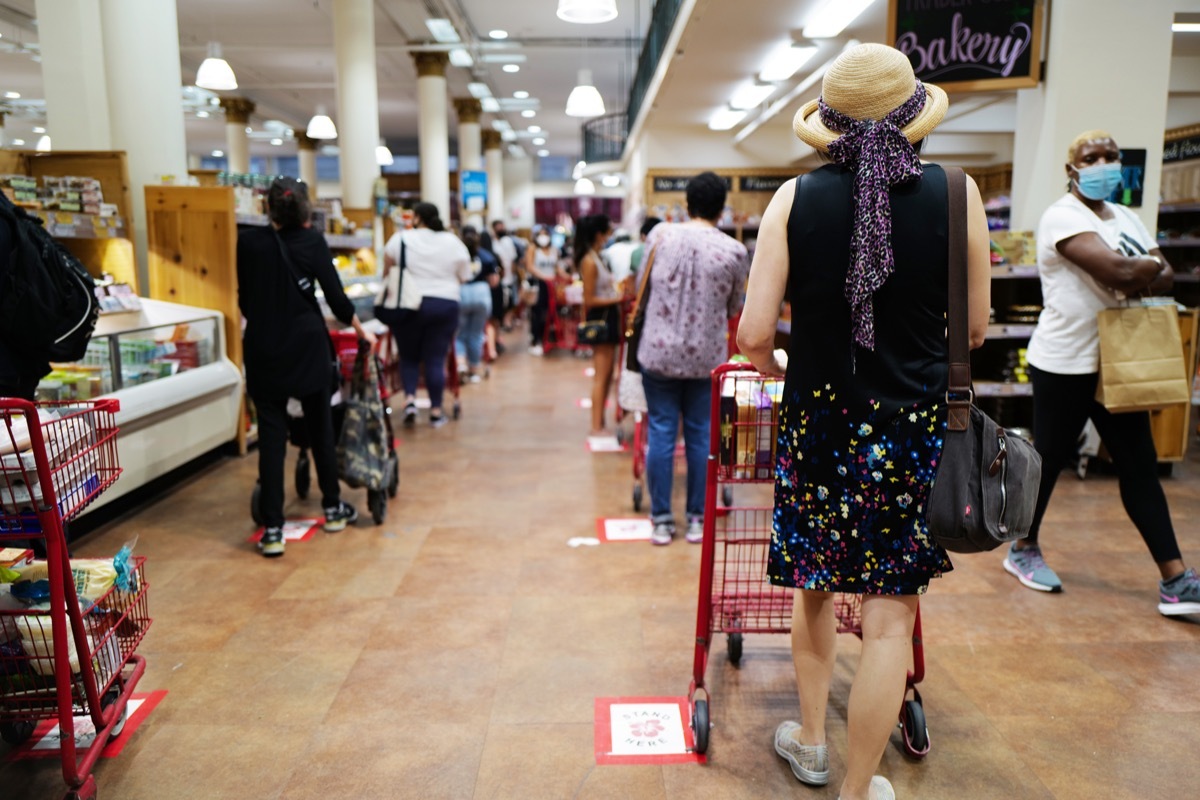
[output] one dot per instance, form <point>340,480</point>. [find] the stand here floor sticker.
<point>605,444</point>
<point>45,740</point>
<point>644,730</point>
<point>624,530</point>
<point>294,530</point>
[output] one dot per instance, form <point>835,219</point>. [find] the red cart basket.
<point>735,596</point>
<point>66,657</point>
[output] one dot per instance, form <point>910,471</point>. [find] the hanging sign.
<point>970,45</point>
<point>678,184</point>
<point>763,183</point>
<point>473,187</point>
<point>1184,149</point>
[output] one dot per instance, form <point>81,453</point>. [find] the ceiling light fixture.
<point>479,90</point>
<point>577,172</point>
<point>18,142</point>
<point>459,57</point>
<point>539,141</point>
<point>535,128</point>
<point>785,61</point>
<point>521,94</point>
<point>215,72</point>
<point>1186,27</point>
<point>39,129</point>
<point>833,17</point>
<point>725,119</point>
<point>587,12</point>
<point>543,153</point>
<point>511,68</point>
<point>498,34</point>
<point>442,30</point>
<point>383,156</point>
<point>529,113</point>
<point>12,95</point>
<point>508,135</point>
<point>277,142</point>
<point>321,126</point>
<point>202,114</point>
<point>611,181</point>
<point>584,100</point>
<point>490,104</point>
<point>751,95</point>
<point>584,186</point>
<point>218,153</point>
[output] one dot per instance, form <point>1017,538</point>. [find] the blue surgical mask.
<point>1099,181</point>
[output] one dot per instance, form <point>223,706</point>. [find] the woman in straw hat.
<point>859,248</point>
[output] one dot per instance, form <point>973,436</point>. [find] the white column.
<point>493,157</point>
<point>237,143</point>
<point>73,74</point>
<point>1082,92</point>
<point>358,99</point>
<point>306,149</point>
<point>470,146</point>
<point>433,132</point>
<point>518,192</point>
<point>141,58</point>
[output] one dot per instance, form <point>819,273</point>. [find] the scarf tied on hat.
<point>881,157</point>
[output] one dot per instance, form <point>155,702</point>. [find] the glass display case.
<point>141,354</point>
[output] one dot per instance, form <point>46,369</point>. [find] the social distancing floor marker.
<point>589,372</point>
<point>46,736</point>
<point>644,730</point>
<point>586,403</point>
<point>294,530</point>
<point>604,444</point>
<point>615,529</point>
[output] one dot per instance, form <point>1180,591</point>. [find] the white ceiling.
<point>282,53</point>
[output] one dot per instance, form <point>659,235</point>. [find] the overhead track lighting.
<point>442,30</point>
<point>785,61</point>
<point>460,57</point>
<point>584,186</point>
<point>383,156</point>
<point>584,100</point>
<point>215,72</point>
<point>751,95</point>
<point>725,119</point>
<point>833,17</point>
<point>587,12</point>
<point>43,144</point>
<point>321,126</point>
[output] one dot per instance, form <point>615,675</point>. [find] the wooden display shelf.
<point>1172,426</point>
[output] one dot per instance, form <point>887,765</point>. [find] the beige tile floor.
<point>457,650</point>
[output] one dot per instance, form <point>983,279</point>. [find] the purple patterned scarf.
<point>881,157</point>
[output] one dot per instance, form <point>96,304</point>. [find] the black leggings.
<point>1062,405</point>
<point>538,314</point>
<point>424,339</point>
<point>272,448</point>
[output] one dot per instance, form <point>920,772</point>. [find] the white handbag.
<point>630,392</point>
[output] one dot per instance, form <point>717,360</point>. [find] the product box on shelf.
<point>749,412</point>
<point>1018,247</point>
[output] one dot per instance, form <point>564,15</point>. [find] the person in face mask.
<point>541,270</point>
<point>1091,255</point>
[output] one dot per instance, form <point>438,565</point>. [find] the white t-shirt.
<point>436,262</point>
<point>620,257</point>
<point>506,253</point>
<point>1066,340</point>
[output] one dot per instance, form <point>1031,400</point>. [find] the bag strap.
<point>959,395</point>
<point>301,283</point>
<point>639,305</point>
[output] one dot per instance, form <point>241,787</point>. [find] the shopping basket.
<point>69,656</point>
<point>735,595</point>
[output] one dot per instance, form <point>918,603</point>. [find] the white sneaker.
<point>536,350</point>
<point>662,534</point>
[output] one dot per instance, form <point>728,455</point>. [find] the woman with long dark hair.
<point>601,303</point>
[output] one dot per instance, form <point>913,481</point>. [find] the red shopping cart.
<point>68,656</point>
<point>735,596</point>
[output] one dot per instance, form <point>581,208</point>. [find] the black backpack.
<point>48,305</point>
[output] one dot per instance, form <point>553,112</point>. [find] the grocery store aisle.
<point>457,650</point>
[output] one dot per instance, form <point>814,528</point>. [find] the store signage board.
<point>1185,149</point>
<point>45,742</point>
<point>970,45</point>
<point>473,188</point>
<point>644,730</point>
<point>679,184</point>
<point>763,183</point>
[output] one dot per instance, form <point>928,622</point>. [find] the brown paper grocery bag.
<point>1141,359</point>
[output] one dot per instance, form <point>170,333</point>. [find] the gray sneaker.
<point>810,764</point>
<point>1028,566</point>
<point>663,533</point>
<point>695,531</point>
<point>1180,595</point>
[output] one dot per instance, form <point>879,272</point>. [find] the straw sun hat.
<point>866,82</point>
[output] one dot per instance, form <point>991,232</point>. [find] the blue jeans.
<point>667,399</point>
<point>473,313</point>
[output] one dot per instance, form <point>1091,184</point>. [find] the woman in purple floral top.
<point>697,278</point>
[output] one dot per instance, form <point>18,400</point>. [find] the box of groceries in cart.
<point>749,414</point>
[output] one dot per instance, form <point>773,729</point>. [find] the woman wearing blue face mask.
<point>1092,254</point>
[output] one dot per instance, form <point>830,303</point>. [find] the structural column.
<point>73,74</point>
<point>237,143</point>
<point>433,136</point>
<point>141,59</point>
<point>306,148</point>
<point>358,99</point>
<point>493,157</point>
<point>470,146</point>
<point>1082,92</point>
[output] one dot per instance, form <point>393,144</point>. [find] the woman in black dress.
<point>287,351</point>
<point>859,248</point>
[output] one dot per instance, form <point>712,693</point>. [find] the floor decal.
<point>294,530</point>
<point>604,444</point>
<point>624,529</point>
<point>45,739</point>
<point>589,372</point>
<point>586,403</point>
<point>644,730</point>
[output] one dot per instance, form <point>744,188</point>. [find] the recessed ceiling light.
<point>539,141</point>
<point>249,129</point>
<point>479,90</point>
<point>543,153</point>
<point>535,128</point>
<point>277,142</point>
<point>18,142</point>
<point>218,153</point>
<point>529,113</point>
<point>498,34</point>
<point>442,30</point>
<point>490,104</point>
<point>509,135</point>
<point>459,57</point>
<point>202,114</point>
<point>611,181</point>
<point>512,67</point>
<point>725,118</point>
<point>12,95</point>
<point>39,129</point>
<point>521,95</point>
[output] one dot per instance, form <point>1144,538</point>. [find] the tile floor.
<point>456,651</point>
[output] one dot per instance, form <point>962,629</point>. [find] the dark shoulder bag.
<point>304,285</point>
<point>987,482</point>
<point>633,332</point>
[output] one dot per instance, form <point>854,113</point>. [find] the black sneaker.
<point>338,517</point>
<point>437,420</point>
<point>271,543</point>
<point>410,415</point>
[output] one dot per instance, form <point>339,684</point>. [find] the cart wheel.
<point>256,504</point>
<point>394,477</point>
<point>457,409</point>
<point>17,733</point>
<point>700,725</point>
<point>638,493</point>
<point>914,730</point>
<point>85,792</point>
<point>733,643</point>
<point>303,476</point>
<point>727,496</point>
<point>377,503</point>
<point>109,698</point>
<point>621,436</point>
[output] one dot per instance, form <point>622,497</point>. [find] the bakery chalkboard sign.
<point>679,184</point>
<point>970,45</point>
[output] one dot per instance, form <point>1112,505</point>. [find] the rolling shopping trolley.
<point>67,656</point>
<point>735,596</point>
